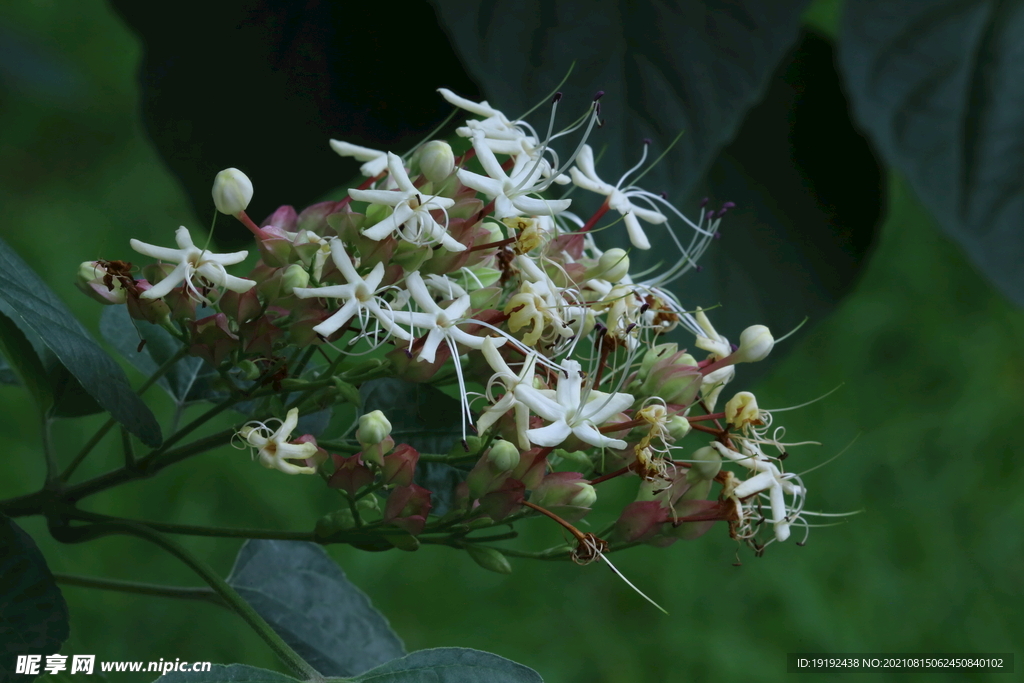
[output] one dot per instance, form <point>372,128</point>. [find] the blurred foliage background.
<point>927,353</point>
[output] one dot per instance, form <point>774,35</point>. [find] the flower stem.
<point>138,588</point>
<point>221,587</point>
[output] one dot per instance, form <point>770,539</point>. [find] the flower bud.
<point>92,280</point>
<point>491,471</point>
<point>705,466</point>
<point>294,276</point>
<point>503,456</point>
<point>489,559</point>
<point>678,427</point>
<point>654,354</point>
<point>756,343</point>
<point>248,370</point>
<point>742,410</point>
<point>373,428</point>
<point>437,161</point>
<point>566,494</point>
<point>613,265</point>
<point>674,379</point>
<point>232,191</point>
<point>411,256</point>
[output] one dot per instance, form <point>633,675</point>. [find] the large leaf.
<point>55,389</point>
<point>186,381</point>
<point>305,597</point>
<point>48,317</point>
<point>33,614</point>
<point>428,420</point>
<point>940,86</point>
<point>233,673</point>
<point>666,67</point>
<point>450,665</point>
<point>323,70</point>
<point>7,375</point>
<point>25,368</point>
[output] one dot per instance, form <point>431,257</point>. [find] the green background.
<point>932,377</point>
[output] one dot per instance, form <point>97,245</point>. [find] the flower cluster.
<point>476,270</point>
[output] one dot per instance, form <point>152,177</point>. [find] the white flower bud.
<point>614,264</point>
<point>585,497</point>
<point>741,409</point>
<point>756,343</point>
<point>373,428</point>
<point>503,456</point>
<point>705,465</point>
<point>437,161</point>
<point>232,191</point>
<point>678,427</point>
<point>294,276</point>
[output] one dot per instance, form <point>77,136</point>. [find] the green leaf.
<point>666,67</point>
<point>450,665</point>
<point>7,374</point>
<point>33,614</point>
<point>48,317</point>
<point>305,597</point>
<point>232,673</point>
<point>55,389</point>
<point>25,364</point>
<point>939,86</point>
<point>185,382</point>
<point>427,419</point>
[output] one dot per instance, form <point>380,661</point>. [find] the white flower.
<point>584,175</point>
<point>376,161</point>
<point>273,448</point>
<point>440,323</point>
<point>768,479</point>
<point>411,209</point>
<point>505,376</point>
<point>191,261</point>
<point>510,191</point>
<point>573,410</point>
<point>360,295</point>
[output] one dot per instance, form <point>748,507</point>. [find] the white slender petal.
<point>192,261</point>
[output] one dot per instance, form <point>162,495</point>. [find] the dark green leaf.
<point>315,423</point>
<point>939,85</point>
<point>305,597</point>
<point>233,673</point>
<point>25,363</point>
<point>7,375</point>
<point>62,394</point>
<point>428,420</point>
<point>185,382</point>
<point>692,67</point>
<point>33,614</point>
<point>450,665</point>
<point>70,397</point>
<point>47,315</point>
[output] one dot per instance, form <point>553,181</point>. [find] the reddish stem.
<point>700,418</point>
<point>256,230</point>
<point>493,245</point>
<point>569,527</point>
<point>709,430</point>
<point>596,217</point>
<point>609,475</point>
